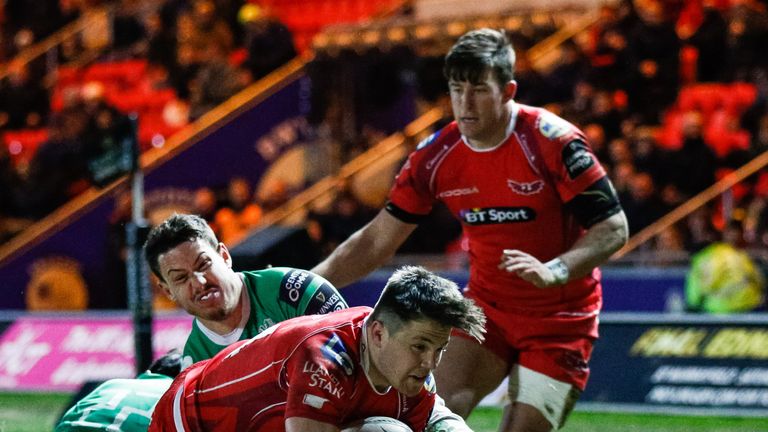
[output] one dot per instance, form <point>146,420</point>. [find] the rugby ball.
<point>379,424</point>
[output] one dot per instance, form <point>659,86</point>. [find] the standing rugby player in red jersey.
<point>540,215</point>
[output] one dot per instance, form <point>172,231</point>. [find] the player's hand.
<point>527,267</point>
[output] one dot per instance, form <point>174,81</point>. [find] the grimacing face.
<point>407,358</point>
<point>200,279</point>
<point>480,108</point>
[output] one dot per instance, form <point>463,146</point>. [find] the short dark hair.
<point>169,364</point>
<point>478,51</point>
<point>413,293</point>
<point>175,230</point>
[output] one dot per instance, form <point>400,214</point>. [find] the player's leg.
<point>539,403</point>
<point>551,371</point>
<point>468,372</point>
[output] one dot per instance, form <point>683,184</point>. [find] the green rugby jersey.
<point>117,405</point>
<point>275,294</point>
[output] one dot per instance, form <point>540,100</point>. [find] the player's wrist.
<point>559,270</point>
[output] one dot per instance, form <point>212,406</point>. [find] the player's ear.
<point>510,90</point>
<point>378,333</point>
<point>164,286</point>
<point>224,252</point>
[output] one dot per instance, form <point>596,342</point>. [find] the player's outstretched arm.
<point>301,424</point>
<point>594,248</point>
<point>365,250</point>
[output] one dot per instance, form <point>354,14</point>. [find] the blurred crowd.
<point>202,51</point>
<point>621,81</point>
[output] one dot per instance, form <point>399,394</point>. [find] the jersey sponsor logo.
<point>325,300</point>
<point>458,192</point>
<point>552,126</point>
<point>428,140</point>
<point>314,401</point>
<point>497,215</point>
<point>335,351</point>
<point>293,285</point>
<point>577,158</point>
<point>526,188</point>
<point>267,323</point>
<point>323,379</point>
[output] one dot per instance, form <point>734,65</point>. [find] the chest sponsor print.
<point>497,215</point>
<point>323,379</point>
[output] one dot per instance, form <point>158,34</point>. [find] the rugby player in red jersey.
<point>540,215</point>
<point>320,373</point>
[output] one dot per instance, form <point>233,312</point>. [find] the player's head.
<point>193,267</point>
<point>479,69</point>
<point>169,364</point>
<point>478,52</point>
<point>411,325</point>
<point>177,229</point>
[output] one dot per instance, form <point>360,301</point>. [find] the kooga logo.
<point>497,215</point>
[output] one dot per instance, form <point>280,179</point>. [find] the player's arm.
<point>598,210</point>
<point>301,424</point>
<point>366,249</point>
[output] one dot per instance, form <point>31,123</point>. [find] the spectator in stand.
<point>240,213</point>
<point>747,38</point>
<point>643,205</point>
<point>534,87</point>
<point>23,100</point>
<point>215,81</point>
<point>206,204</point>
<point>346,216</point>
<point>647,156</point>
<point>654,58</point>
<point>572,68</point>
<point>596,136</point>
<point>692,167</point>
<point>709,39</point>
<point>211,27</point>
<point>268,41</point>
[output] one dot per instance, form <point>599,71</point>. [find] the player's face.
<point>409,356</point>
<point>200,279</point>
<point>481,109</point>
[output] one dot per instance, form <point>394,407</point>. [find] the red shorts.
<point>557,345</point>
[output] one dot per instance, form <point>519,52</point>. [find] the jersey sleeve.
<point>280,293</point>
<point>321,297</point>
<point>411,193</point>
<point>321,378</point>
<point>568,156</point>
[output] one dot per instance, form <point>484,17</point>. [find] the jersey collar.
<point>234,335</point>
<point>510,130</point>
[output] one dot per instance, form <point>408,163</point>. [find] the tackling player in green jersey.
<point>195,270</point>
<point>123,404</point>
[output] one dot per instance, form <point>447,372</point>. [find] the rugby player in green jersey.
<point>123,404</point>
<point>195,270</point>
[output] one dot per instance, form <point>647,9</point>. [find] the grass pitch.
<point>34,412</point>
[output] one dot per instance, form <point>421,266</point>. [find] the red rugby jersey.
<point>509,197</point>
<point>309,366</point>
